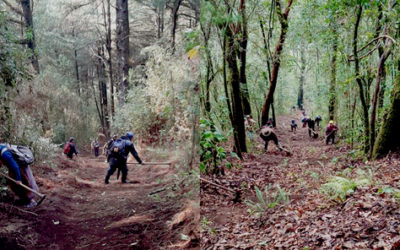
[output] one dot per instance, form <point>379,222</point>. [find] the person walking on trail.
<point>249,126</point>
<point>293,126</point>
<point>95,146</point>
<point>70,148</point>
<point>304,121</point>
<point>318,119</point>
<point>119,156</point>
<point>267,134</point>
<point>107,147</point>
<point>22,173</point>
<point>311,128</point>
<point>330,132</point>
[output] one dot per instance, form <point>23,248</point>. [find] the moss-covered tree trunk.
<point>31,42</point>
<point>388,138</point>
<point>332,83</point>
<point>300,95</point>
<point>242,57</point>
<point>234,82</point>
<point>362,91</point>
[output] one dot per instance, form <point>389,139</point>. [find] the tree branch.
<point>349,58</point>
<point>15,21</point>
<point>15,9</point>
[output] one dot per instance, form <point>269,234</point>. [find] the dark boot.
<point>106,180</point>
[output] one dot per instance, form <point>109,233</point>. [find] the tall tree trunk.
<point>234,82</point>
<point>103,91</point>
<point>332,83</point>
<point>283,19</point>
<point>359,82</point>
<point>381,75</point>
<point>242,58</point>
<point>122,40</point>
<point>209,69</point>
<point>174,20</point>
<point>100,81</point>
<point>378,30</point>
<point>389,135</point>
<point>300,95</point>
<point>27,11</point>
<point>158,22</point>
<point>76,65</point>
<point>109,60</point>
<point>77,72</point>
<point>101,120</point>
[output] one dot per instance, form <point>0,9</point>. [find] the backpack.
<point>21,154</point>
<point>67,148</point>
<point>118,148</point>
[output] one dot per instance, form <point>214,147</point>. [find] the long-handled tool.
<point>145,163</point>
<point>42,196</point>
<point>152,163</point>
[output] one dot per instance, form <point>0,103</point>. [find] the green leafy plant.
<point>205,226</point>
<point>211,151</point>
<point>267,200</point>
<point>338,188</point>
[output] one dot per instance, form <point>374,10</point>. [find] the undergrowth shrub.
<point>212,153</point>
<point>267,200</point>
<point>338,188</point>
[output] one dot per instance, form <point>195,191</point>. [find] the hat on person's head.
<point>330,122</point>
<point>129,135</point>
<point>115,136</point>
<point>71,139</point>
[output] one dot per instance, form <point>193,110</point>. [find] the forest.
<point>188,124</point>
<point>73,75</point>
<point>319,80</point>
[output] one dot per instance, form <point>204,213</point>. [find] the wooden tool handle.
<point>152,163</point>
<point>23,185</point>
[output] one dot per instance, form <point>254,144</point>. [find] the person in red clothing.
<point>330,132</point>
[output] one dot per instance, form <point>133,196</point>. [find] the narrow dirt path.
<point>81,212</point>
<point>309,220</point>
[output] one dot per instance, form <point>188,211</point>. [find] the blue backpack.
<point>118,148</point>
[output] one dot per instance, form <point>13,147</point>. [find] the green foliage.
<point>163,107</point>
<point>339,188</point>
<point>12,57</point>
<point>267,200</point>
<point>395,192</point>
<point>211,151</point>
<point>192,39</point>
<point>205,226</point>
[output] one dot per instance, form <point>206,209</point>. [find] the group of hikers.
<point>116,151</point>
<point>267,133</point>
<point>22,182</point>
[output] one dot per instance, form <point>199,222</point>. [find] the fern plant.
<point>267,200</point>
<point>338,188</point>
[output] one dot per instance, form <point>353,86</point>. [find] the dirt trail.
<point>81,212</point>
<point>309,220</point>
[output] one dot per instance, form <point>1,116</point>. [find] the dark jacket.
<point>72,150</point>
<point>311,124</point>
<point>129,148</point>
